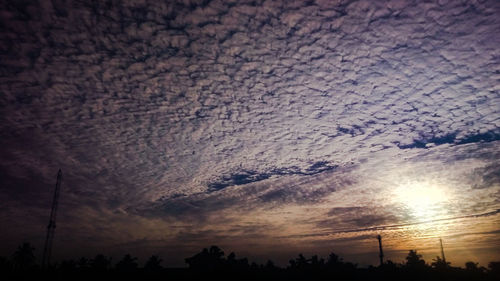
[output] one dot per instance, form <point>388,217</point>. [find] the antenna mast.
<point>381,253</point>
<point>52,223</point>
<point>442,251</point>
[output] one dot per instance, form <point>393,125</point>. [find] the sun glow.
<point>423,200</point>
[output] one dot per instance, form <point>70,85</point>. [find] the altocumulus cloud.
<point>164,109</point>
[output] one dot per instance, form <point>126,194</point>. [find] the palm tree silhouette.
<point>24,257</point>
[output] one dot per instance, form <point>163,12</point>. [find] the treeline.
<point>212,263</point>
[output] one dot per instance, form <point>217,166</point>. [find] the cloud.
<point>452,139</point>
<point>189,109</point>
<point>485,177</point>
<point>245,177</point>
<point>380,220</point>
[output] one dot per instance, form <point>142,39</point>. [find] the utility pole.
<point>52,223</point>
<point>381,253</point>
<point>442,251</point>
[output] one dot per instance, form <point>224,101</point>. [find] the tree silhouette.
<point>207,259</point>
<point>5,265</point>
<point>127,264</point>
<point>270,265</point>
<point>333,259</point>
<point>317,262</point>
<point>83,264</point>
<point>414,260</point>
<point>299,263</point>
<point>474,268</point>
<point>210,263</point>
<point>494,267</point>
<point>153,264</point>
<point>439,263</point>
<point>235,264</point>
<point>100,263</point>
<point>24,258</point>
<point>216,252</point>
<point>471,266</point>
<point>68,266</point>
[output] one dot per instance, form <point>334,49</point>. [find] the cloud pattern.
<point>212,111</point>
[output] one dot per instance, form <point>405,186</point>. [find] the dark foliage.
<point>211,264</point>
<point>100,263</point>
<point>127,265</point>
<point>24,258</point>
<point>153,264</point>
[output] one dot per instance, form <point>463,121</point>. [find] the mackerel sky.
<point>268,128</point>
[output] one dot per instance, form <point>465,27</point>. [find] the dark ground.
<point>211,264</point>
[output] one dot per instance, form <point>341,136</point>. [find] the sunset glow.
<point>423,200</point>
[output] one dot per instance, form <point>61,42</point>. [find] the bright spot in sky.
<point>423,200</point>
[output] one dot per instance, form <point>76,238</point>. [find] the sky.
<point>268,128</point>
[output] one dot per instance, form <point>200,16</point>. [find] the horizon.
<point>428,256</point>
